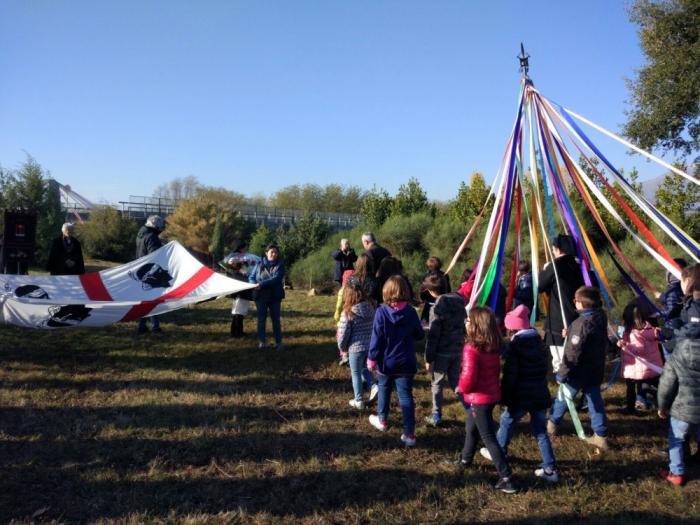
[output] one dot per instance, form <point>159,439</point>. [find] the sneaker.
<point>377,423</point>
<point>261,344</point>
<point>142,330</point>
<point>672,478</point>
<point>506,485</point>
<point>373,392</point>
<point>546,474</point>
<point>344,361</point>
<point>551,428</point>
<point>433,420</point>
<point>485,453</point>
<point>279,346</point>
<point>409,439</point>
<point>354,403</point>
<point>459,462</point>
<point>640,405</point>
<point>157,330</point>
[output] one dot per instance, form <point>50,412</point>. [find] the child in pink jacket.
<point>641,357</point>
<point>480,389</point>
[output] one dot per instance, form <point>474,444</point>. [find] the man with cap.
<point>559,280</point>
<point>148,241</point>
<point>66,255</point>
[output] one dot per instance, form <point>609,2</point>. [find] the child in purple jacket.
<point>392,353</point>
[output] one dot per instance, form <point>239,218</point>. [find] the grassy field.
<point>102,426</point>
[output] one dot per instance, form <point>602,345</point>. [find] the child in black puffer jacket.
<point>524,389</point>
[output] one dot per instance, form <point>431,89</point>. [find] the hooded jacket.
<point>642,343</point>
<point>524,383</point>
<point>479,381</point>
<point>392,345</point>
<point>354,334</point>
<point>570,279</point>
<point>584,354</point>
<point>446,328</point>
<point>679,386</point>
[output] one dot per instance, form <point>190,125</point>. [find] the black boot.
<point>239,319</point>
<point>234,326</point>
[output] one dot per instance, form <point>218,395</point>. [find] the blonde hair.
<point>482,329</point>
<point>396,290</point>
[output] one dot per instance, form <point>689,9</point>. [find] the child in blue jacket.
<point>392,353</point>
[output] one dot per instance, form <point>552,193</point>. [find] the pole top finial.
<point>524,61</point>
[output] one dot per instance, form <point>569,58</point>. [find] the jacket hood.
<point>449,303</point>
<point>396,316</point>
<point>530,332</point>
<point>363,310</point>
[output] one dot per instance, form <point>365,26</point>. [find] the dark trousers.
<point>480,424</point>
<point>642,390</point>
<point>237,326</point>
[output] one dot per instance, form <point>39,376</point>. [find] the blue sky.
<point>115,98</point>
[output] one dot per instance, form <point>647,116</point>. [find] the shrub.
<point>108,235</point>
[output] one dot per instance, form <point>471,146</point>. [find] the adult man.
<point>345,259</point>
<point>66,255</point>
<point>375,252</point>
<point>148,241</point>
<point>560,280</point>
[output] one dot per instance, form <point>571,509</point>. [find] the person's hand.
<point>663,413</point>
<point>429,367</point>
<point>258,286</point>
<point>564,332</point>
<point>657,295</point>
<point>620,343</point>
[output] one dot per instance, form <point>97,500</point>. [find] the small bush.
<point>108,235</point>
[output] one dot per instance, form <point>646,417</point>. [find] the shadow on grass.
<point>295,495</point>
<point>619,518</point>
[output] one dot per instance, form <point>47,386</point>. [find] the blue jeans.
<point>538,424</point>
<point>275,308</point>
<point>155,323</point>
<point>677,433</point>
<point>404,389</point>
<point>596,407</point>
<point>358,372</point>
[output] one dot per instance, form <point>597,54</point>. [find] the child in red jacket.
<point>479,385</point>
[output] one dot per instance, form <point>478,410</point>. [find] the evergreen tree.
<point>376,207</point>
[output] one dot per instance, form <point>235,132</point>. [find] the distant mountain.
<point>650,186</point>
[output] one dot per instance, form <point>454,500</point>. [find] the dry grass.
<point>102,426</point>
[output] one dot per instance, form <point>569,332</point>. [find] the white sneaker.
<point>359,405</point>
<point>377,423</point>
<point>373,392</point>
<point>552,475</point>
<point>485,453</point>
<point>410,441</point>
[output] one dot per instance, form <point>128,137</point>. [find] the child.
<point>641,359</point>
<point>354,332</point>
<point>583,364</point>
<point>433,264</point>
<point>679,386</point>
<point>480,388</point>
<point>338,310</point>
<point>524,389</point>
<point>672,298</point>
<point>241,300</point>
<point>443,347</point>
<point>392,352</point>
<point>523,286</point>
